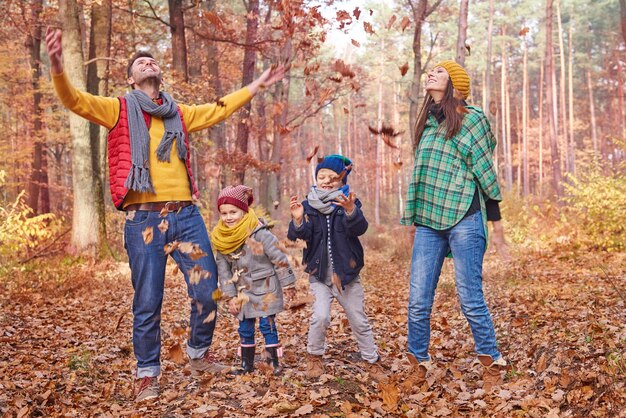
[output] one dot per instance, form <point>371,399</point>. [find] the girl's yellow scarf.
<point>226,240</point>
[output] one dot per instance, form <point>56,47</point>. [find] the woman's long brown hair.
<point>453,111</point>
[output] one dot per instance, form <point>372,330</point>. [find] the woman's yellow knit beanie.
<point>459,77</point>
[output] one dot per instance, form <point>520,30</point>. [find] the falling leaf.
<point>352,263</point>
<point>269,298</point>
<point>309,69</point>
<point>355,43</point>
<point>170,247</point>
<point>371,12</point>
<point>335,79</point>
<point>185,247</point>
<point>392,20</point>
<point>284,130</point>
<point>404,23</point>
<point>164,212</point>
<point>210,317</point>
<point>217,295</point>
<point>469,49</point>
<point>356,13</point>
<point>175,271</point>
<point>368,28</point>
<point>163,226</point>
<point>356,106</point>
<point>343,17</point>
<point>404,68</point>
<point>337,282</point>
<point>342,68</point>
<point>386,132</point>
<point>523,31</point>
<point>147,235</point>
<point>397,164</point>
<point>175,353</point>
<point>301,302</point>
<point>196,274</point>
<point>255,246</point>
<point>462,110</point>
<point>275,203</point>
<point>345,110</point>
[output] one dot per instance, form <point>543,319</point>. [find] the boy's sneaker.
<point>492,369</point>
<point>314,366</point>
<point>208,364</point>
<point>146,388</point>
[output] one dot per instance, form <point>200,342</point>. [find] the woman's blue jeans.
<point>466,240</point>
<point>147,266</point>
<point>267,326</point>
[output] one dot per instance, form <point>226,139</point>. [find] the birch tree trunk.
<point>525,173</point>
<point>592,116</point>
<point>85,235</point>
<point>562,107</point>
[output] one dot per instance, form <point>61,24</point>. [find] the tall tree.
<point>85,240</point>
<point>551,99</point>
<point>420,11</point>
<point>38,195</point>
<point>249,61</point>
<point>462,33</point>
<point>179,42</point>
<point>97,83</point>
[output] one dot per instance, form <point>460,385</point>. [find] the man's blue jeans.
<point>147,265</point>
<point>466,240</point>
<point>267,326</point>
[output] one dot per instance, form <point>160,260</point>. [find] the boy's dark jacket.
<point>346,247</point>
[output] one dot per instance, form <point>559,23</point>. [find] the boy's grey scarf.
<point>322,199</point>
<point>139,175</point>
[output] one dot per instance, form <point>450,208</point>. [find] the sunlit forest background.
<point>549,74</point>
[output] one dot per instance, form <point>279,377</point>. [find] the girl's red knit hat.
<point>239,196</point>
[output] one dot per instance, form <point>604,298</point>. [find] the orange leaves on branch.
<point>404,23</point>
<point>309,69</point>
<point>368,28</point>
<point>147,235</point>
<point>324,95</point>
<point>312,154</point>
<point>392,20</point>
<point>404,68</point>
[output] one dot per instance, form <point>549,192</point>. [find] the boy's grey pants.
<point>351,299</point>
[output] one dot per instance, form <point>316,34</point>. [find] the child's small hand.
<point>233,306</point>
<point>347,202</point>
<point>297,210</point>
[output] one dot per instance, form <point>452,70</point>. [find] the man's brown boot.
<point>208,364</point>
<point>314,366</point>
<point>492,371</point>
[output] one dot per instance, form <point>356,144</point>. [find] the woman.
<point>452,177</point>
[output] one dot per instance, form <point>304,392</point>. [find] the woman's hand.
<point>297,210</point>
<point>347,202</point>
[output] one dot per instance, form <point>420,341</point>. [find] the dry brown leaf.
<point>170,247</point>
<point>217,294</point>
<point>368,28</point>
<point>196,274</point>
<point>163,226</point>
<point>404,68</point>
<point>179,332</point>
<point>389,394</point>
<point>355,43</point>
<point>312,154</point>
<point>404,23</point>
<point>523,31</point>
<point>147,235</point>
<point>356,13</point>
<point>346,407</point>
<point>163,212</point>
<point>210,317</point>
<point>175,353</point>
<point>255,246</point>
<point>337,282</point>
<point>392,20</point>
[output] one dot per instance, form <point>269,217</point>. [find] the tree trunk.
<point>85,238</point>
<point>487,97</point>
<point>378,140</point>
<point>622,8</point>
<point>550,101</point>
<point>179,44</point>
<point>525,175</point>
<point>97,83</point>
<point>506,140</point>
<point>249,60</point>
<point>592,116</point>
<point>541,72</point>
<point>563,106</point>
<point>570,84</point>
<point>38,197</point>
<point>462,33</point>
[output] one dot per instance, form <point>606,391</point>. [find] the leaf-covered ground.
<point>65,346</point>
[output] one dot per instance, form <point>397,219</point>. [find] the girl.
<point>253,272</point>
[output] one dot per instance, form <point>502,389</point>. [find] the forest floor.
<point>66,349</point>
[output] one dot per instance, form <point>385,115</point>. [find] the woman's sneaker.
<point>146,388</point>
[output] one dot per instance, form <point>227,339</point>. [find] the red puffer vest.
<point>120,161</point>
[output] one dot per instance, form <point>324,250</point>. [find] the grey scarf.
<point>322,200</point>
<point>139,175</point>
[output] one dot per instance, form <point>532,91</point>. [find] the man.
<point>151,180</point>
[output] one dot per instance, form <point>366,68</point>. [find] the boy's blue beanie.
<point>337,163</point>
